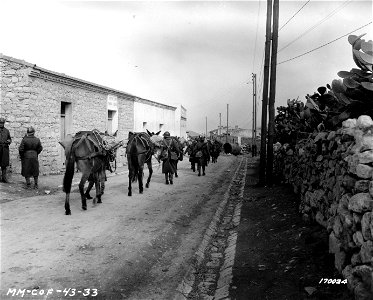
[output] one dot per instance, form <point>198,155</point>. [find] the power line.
<point>324,44</point>
<point>343,5</point>
<point>294,15</point>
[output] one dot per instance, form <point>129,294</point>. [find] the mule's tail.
<point>135,173</point>
<point>69,173</point>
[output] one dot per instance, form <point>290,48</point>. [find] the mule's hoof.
<point>167,182</point>
<point>84,207</point>
<point>147,185</point>
<point>171,182</point>
<point>129,194</point>
<point>68,212</point>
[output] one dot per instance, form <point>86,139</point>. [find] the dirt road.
<point>125,248</point>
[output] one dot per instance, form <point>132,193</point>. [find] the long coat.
<point>168,165</point>
<point>29,150</point>
<point>203,147</point>
<point>5,140</point>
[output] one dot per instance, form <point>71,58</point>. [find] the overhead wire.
<point>343,5</point>
<point>324,44</point>
<point>294,15</point>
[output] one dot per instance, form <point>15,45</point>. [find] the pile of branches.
<point>327,108</point>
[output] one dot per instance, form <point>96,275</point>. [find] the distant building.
<point>235,135</point>
<point>56,104</point>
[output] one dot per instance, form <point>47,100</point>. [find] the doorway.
<point>65,125</point>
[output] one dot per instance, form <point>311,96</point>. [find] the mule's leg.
<point>176,169</point>
<point>150,168</point>
<point>130,182</point>
<point>90,186</point>
<point>140,177</point>
<point>98,190</point>
<point>67,204</point>
<point>81,190</point>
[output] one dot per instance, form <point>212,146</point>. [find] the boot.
<point>3,174</point>
<point>166,176</point>
<point>171,179</point>
<point>28,183</point>
<point>36,182</point>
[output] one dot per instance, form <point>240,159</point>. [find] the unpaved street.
<point>135,247</point>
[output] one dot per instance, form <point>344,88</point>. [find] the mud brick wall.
<point>332,172</point>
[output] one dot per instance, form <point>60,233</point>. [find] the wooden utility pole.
<point>226,137</point>
<point>254,108</point>
<point>206,127</point>
<point>272,94</point>
<point>263,140</point>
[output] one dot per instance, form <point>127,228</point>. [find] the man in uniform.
<point>29,150</point>
<point>5,140</point>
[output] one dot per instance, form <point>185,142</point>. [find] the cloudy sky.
<point>197,53</point>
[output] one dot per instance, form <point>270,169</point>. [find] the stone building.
<point>56,104</point>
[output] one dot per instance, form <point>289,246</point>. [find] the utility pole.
<point>263,140</point>
<point>272,94</point>
<point>226,137</point>
<point>206,127</point>
<point>254,108</point>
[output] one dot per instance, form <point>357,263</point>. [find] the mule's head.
<point>156,141</point>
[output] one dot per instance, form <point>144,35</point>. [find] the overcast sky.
<point>200,54</point>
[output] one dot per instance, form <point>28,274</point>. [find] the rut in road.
<point>211,274</point>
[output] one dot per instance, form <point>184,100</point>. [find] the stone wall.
<point>32,96</point>
<point>332,173</point>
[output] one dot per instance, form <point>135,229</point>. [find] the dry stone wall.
<point>333,174</point>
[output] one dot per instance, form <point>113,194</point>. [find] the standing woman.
<point>5,140</point>
<point>170,156</point>
<point>29,150</point>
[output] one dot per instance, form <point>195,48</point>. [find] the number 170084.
<point>332,281</point>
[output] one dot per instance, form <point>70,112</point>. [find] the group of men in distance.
<point>199,150</point>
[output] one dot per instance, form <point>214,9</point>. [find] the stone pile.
<point>333,173</point>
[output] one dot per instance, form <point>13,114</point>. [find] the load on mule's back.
<point>88,150</point>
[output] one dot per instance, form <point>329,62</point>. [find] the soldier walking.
<point>29,150</point>
<point>5,141</point>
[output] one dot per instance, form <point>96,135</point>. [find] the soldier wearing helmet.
<point>29,150</point>
<point>5,141</point>
<point>170,154</point>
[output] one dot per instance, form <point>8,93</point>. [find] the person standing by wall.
<point>29,150</point>
<point>5,141</point>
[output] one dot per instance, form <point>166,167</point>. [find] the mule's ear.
<point>149,132</point>
<point>62,144</point>
<point>158,132</point>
